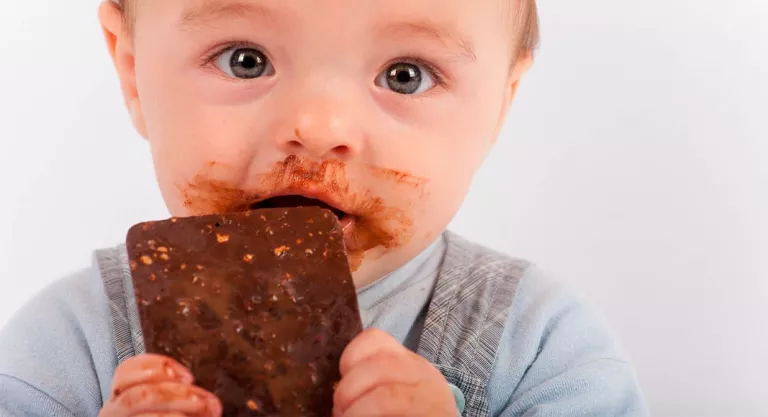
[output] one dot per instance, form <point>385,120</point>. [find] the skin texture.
<point>382,378</point>
<point>150,385</point>
<point>321,122</point>
<point>319,104</point>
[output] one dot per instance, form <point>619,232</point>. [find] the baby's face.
<point>382,110</point>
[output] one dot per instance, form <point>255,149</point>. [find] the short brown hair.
<point>527,25</point>
<point>127,6</point>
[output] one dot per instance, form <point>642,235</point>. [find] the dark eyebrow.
<point>208,11</point>
<point>447,35</point>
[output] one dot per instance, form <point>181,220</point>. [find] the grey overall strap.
<point>467,315</point>
<point>118,286</point>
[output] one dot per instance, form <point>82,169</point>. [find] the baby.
<point>380,110</point>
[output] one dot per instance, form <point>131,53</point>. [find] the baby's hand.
<point>380,377</point>
<point>150,385</point>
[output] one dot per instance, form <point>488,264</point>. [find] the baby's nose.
<point>324,129</point>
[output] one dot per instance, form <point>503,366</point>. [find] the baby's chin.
<point>377,264</point>
<point>380,262</point>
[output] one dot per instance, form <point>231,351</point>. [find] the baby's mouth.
<point>368,223</point>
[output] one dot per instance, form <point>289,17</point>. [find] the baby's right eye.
<point>244,63</point>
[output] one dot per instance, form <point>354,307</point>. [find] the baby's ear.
<point>120,45</point>
<point>519,68</point>
<point>516,72</point>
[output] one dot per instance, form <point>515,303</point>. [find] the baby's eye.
<point>244,63</point>
<point>406,78</point>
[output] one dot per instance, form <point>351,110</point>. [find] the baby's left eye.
<point>406,78</point>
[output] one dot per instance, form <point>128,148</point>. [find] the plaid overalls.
<point>466,318</point>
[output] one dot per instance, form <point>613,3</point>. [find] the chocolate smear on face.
<point>376,224</point>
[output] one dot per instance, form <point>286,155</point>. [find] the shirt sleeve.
<point>559,358</point>
<point>57,358</point>
<point>19,399</point>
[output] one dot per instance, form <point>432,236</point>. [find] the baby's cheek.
<point>433,211</point>
<point>171,174</point>
<point>174,199</point>
<point>181,171</point>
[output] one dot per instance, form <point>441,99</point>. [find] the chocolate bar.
<point>259,305</point>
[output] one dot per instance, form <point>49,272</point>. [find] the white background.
<point>634,166</point>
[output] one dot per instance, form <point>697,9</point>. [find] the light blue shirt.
<point>557,358</point>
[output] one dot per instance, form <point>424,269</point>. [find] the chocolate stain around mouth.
<point>376,223</point>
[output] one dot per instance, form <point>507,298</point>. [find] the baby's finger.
<point>148,368</point>
<point>384,400</point>
<point>165,397</point>
<point>161,415</point>
<point>369,343</point>
<point>378,370</point>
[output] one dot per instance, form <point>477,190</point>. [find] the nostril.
<point>319,146</point>
<point>294,145</point>
<point>341,151</point>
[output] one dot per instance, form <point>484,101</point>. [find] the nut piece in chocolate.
<point>259,305</point>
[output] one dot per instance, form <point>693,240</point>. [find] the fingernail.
<point>214,405</point>
<point>187,377</point>
<point>178,372</point>
<point>169,371</point>
<point>173,373</point>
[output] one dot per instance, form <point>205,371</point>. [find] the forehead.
<point>439,16</point>
<point>348,6</point>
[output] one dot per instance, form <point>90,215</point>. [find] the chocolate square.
<point>259,305</point>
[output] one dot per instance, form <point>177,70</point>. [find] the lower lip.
<point>347,223</point>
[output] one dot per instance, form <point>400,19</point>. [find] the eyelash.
<point>221,49</point>
<point>435,71</point>
<point>438,74</point>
